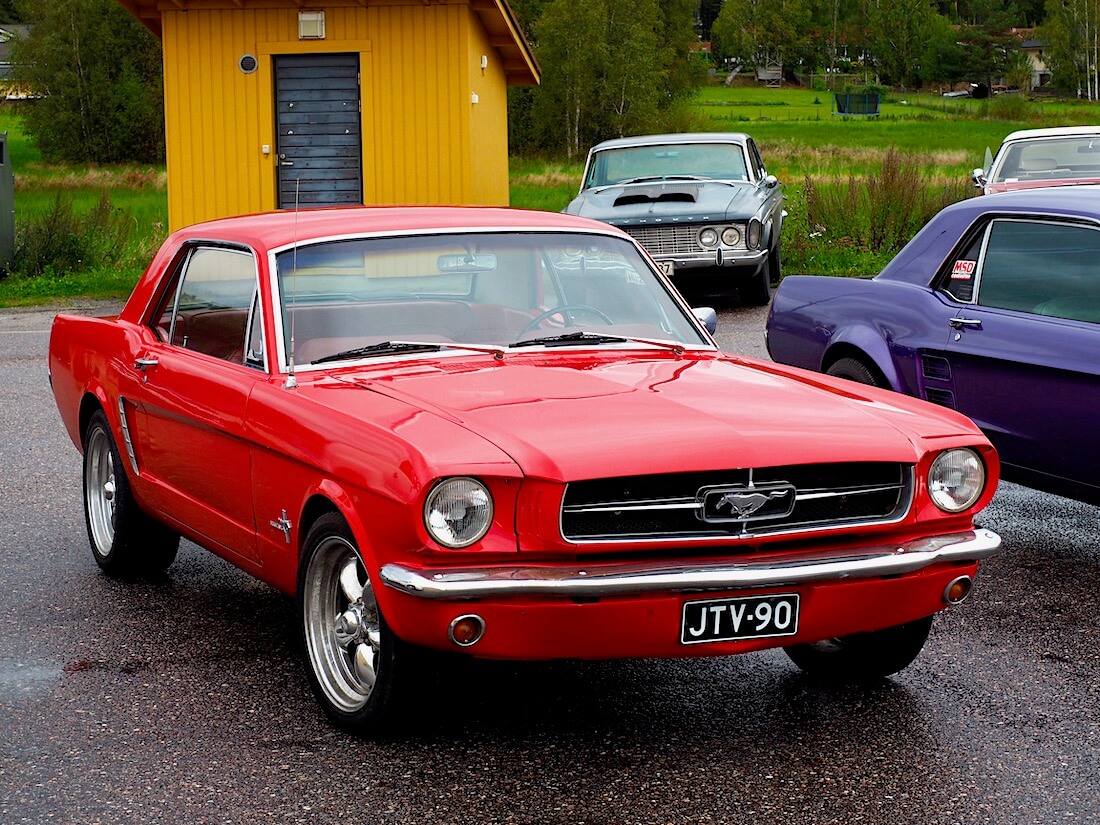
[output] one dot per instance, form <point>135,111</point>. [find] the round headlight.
<point>752,234</point>
<point>708,237</point>
<point>956,480</point>
<point>458,512</point>
<point>730,236</point>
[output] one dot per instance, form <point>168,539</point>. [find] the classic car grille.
<point>671,506</point>
<point>675,240</point>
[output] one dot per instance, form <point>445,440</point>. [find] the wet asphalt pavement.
<point>183,701</point>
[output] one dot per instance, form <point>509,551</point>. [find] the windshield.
<point>718,161</point>
<point>1050,158</point>
<point>380,296</point>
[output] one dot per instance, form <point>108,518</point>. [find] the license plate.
<point>667,267</point>
<point>751,617</point>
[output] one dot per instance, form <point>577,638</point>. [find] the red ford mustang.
<point>503,433</point>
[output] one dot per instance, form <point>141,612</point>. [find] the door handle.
<point>284,162</point>
<point>142,364</point>
<point>960,323</point>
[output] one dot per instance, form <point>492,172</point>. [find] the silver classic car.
<point>702,205</point>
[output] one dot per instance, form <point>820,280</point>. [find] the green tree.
<point>98,74</point>
<point>899,34</point>
<point>609,68</point>
<point>754,31</point>
<point>1071,33</point>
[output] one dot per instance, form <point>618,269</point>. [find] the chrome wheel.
<point>99,491</point>
<point>341,624</point>
<point>125,541</point>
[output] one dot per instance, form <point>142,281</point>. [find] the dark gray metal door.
<point>319,148</point>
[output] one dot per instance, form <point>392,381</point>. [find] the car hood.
<point>572,416</point>
<point>686,201</point>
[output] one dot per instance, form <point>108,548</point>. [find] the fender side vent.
<point>945,398</point>
<point>936,368</point>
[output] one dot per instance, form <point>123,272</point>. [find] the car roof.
<point>1052,132</point>
<point>274,229</point>
<point>941,233</point>
<point>683,137</point>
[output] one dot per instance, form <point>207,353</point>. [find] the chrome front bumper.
<point>710,259</point>
<point>626,579</point>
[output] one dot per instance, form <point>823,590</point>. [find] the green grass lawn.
<point>801,138</point>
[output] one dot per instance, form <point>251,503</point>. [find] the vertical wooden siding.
<point>424,141</point>
<point>488,120</point>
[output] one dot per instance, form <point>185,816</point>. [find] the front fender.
<point>866,343</point>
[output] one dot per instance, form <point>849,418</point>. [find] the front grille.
<point>677,239</point>
<point>672,506</point>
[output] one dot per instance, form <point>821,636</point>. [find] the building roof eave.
<point>496,16</point>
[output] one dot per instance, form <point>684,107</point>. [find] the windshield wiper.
<point>392,347</point>
<point>382,348</point>
<point>568,338</point>
<point>647,178</point>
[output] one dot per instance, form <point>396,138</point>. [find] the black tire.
<point>863,656</point>
<point>125,541</point>
<point>352,657</point>
<point>756,291</point>
<point>775,264</point>
<point>855,370</point>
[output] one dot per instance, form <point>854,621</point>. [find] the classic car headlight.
<point>752,234</point>
<point>730,236</point>
<point>956,480</point>
<point>458,512</point>
<point>708,237</point>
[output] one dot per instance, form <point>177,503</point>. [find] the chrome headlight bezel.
<point>753,233</point>
<point>731,236</point>
<point>458,512</point>
<point>956,479</point>
<point>708,237</point>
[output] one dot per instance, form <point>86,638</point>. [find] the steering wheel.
<point>567,311</point>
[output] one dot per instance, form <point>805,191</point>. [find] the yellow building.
<point>269,103</point>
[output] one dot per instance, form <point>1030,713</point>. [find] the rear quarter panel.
<point>81,352</point>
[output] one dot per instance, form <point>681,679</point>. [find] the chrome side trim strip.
<point>625,579</point>
<point>126,435</point>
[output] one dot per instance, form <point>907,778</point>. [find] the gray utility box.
<point>7,205</point>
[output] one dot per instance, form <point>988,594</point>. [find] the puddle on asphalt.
<point>19,678</point>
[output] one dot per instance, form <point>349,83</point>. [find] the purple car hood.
<point>686,201</point>
<point>584,415</point>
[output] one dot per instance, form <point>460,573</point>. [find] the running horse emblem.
<point>745,504</point>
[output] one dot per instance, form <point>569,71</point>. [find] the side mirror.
<point>771,181</point>
<point>979,178</point>
<point>707,317</point>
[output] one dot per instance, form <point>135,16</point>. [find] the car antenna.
<point>291,379</point>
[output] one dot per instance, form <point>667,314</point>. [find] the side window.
<point>758,170</point>
<point>962,272</point>
<point>1043,268</point>
<point>208,310</point>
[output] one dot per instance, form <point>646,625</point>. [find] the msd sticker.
<point>963,271</point>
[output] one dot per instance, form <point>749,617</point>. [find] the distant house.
<point>273,104</point>
<point>1040,72</point>
<point>9,32</point>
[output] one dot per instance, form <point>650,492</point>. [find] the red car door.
<point>190,430</point>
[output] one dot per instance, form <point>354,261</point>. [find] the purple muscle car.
<point>993,309</point>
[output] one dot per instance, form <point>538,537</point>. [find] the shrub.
<point>63,242</point>
<point>877,213</point>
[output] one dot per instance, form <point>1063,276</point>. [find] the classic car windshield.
<point>718,161</point>
<point>490,289</point>
<point>1049,158</point>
